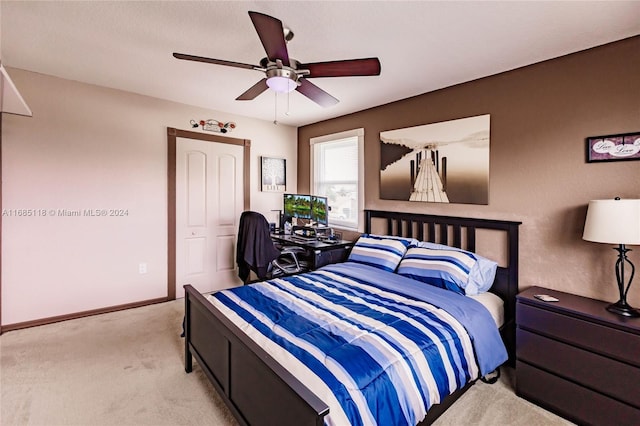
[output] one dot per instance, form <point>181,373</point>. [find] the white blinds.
<point>336,177</point>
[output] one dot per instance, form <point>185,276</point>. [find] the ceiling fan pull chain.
<point>275,109</point>
<point>288,109</point>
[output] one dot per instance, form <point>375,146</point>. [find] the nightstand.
<point>577,359</point>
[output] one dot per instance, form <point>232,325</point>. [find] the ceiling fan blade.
<point>253,91</point>
<point>346,68</point>
<point>316,94</point>
<point>271,35</point>
<point>215,61</point>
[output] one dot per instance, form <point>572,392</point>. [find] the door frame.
<point>172,135</point>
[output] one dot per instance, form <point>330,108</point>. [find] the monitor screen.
<point>320,210</point>
<point>298,206</point>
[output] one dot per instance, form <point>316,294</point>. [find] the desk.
<point>320,252</point>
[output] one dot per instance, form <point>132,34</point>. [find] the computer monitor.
<point>298,206</point>
<point>320,210</point>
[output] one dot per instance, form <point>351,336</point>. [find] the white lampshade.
<point>613,222</point>
<point>281,84</point>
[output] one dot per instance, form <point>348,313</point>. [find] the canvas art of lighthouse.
<point>446,162</point>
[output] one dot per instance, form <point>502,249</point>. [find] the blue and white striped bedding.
<point>449,269</point>
<point>381,252</point>
<point>366,341</point>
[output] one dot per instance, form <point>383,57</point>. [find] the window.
<point>337,173</point>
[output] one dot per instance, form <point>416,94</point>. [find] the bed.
<point>259,390</point>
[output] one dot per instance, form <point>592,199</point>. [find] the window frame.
<point>334,137</point>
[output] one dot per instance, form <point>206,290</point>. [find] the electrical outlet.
<point>142,268</point>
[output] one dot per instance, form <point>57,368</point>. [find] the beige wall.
<point>540,117</point>
<point>89,147</point>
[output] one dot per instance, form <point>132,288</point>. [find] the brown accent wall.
<point>540,117</point>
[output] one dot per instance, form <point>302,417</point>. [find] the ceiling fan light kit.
<point>284,74</point>
<point>282,80</point>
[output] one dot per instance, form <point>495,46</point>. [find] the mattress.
<point>494,304</point>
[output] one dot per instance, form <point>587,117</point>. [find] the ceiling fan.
<point>284,74</point>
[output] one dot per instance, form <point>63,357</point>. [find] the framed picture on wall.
<point>273,174</point>
<point>625,146</point>
<point>444,162</point>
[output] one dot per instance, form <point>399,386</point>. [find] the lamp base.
<point>621,308</point>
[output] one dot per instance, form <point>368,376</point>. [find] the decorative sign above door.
<point>214,125</point>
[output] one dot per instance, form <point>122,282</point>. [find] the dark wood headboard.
<point>461,232</point>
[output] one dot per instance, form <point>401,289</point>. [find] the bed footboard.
<point>253,385</point>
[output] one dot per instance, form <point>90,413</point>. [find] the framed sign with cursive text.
<point>620,147</point>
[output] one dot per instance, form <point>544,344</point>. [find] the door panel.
<point>196,250</point>
<point>226,258</point>
<point>196,197</point>
<point>227,166</point>
<point>209,201</point>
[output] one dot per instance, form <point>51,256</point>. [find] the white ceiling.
<point>422,45</point>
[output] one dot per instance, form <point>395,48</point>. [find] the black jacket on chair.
<point>255,250</point>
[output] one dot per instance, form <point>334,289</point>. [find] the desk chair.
<point>256,251</point>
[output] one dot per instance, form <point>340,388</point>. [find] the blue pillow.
<point>448,269</point>
<point>379,251</point>
<point>482,274</point>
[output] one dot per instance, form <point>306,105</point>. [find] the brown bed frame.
<point>259,391</point>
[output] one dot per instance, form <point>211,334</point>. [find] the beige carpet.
<point>126,368</point>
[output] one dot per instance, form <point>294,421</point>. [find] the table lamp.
<point>616,222</point>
